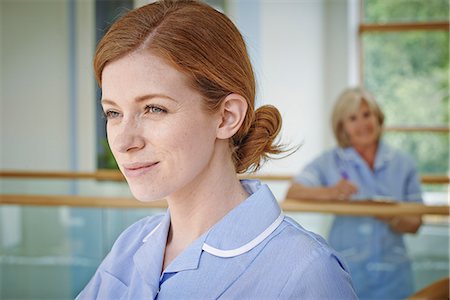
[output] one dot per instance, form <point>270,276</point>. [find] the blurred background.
<point>304,52</point>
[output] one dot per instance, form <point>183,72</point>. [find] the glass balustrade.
<point>50,252</point>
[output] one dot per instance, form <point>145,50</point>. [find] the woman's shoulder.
<point>326,158</point>
<point>304,245</point>
<point>298,232</point>
<point>310,258</point>
<point>304,252</point>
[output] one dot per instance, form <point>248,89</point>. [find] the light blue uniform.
<point>254,252</point>
<point>377,258</point>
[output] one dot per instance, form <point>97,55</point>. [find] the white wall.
<point>86,139</point>
<point>303,48</point>
<point>35,110</point>
<point>293,40</point>
<point>341,60</point>
<point>34,85</point>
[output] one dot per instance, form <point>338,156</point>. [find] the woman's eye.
<point>110,114</point>
<point>154,109</point>
<point>352,118</point>
<point>367,114</point>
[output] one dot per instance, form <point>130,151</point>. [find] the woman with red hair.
<point>178,92</point>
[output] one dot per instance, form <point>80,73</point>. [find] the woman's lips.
<point>138,169</point>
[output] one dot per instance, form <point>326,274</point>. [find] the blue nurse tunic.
<point>254,252</point>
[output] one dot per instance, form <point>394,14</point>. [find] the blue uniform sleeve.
<point>325,278</point>
<point>312,174</point>
<point>413,191</point>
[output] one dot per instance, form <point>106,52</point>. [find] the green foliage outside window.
<point>407,71</point>
<point>106,159</point>
<point>382,11</point>
<point>106,12</point>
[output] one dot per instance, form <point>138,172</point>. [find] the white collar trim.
<point>150,234</point>
<point>247,247</point>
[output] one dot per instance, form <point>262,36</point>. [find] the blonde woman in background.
<point>364,167</point>
<point>178,92</point>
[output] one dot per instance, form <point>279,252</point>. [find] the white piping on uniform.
<point>150,234</point>
<point>247,247</point>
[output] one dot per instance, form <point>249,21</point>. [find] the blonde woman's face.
<point>159,133</point>
<point>362,127</point>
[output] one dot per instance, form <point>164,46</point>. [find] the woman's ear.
<point>232,112</point>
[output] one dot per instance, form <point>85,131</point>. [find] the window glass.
<point>430,150</point>
<point>106,12</point>
<point>408,73</point>
<point>382,11</point>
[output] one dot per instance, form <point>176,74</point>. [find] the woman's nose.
<point>360,121</point>
<point>129,138</point>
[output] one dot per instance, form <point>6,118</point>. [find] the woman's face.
<point>362,127</point>
<point>161,137</point>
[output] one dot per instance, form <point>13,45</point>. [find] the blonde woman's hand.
<point>343,190</point>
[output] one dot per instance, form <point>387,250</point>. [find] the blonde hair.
<point>347,103</point>
<point>204,44</point>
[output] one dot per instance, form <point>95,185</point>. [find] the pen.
<point>344,175</point>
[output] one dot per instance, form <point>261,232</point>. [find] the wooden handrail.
<point>393,27</point>
<point>434,129</point>
<point>113,175</point>
<point>364,208</point>
<point>109,175</point>
<point>434,179</point>
<point>360,208</point>
<point>79,201</point>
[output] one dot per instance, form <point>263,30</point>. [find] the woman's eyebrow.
<point>140,98</point>
<point>107,101</point>
<point>150,96</point>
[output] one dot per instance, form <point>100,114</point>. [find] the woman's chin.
<point>146,196</point>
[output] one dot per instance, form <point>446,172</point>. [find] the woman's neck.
<point>195,209</point>
<point>200,209</point>
<point>368,153</point>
